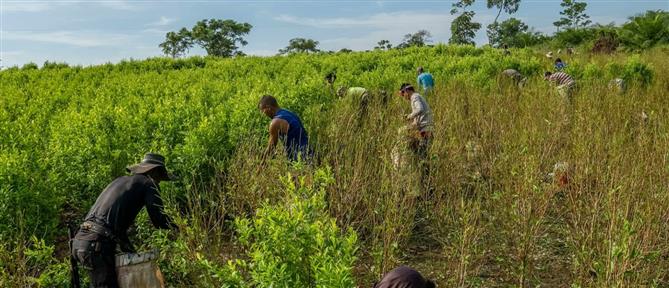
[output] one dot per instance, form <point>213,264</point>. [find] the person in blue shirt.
<point>559,65</point>
<point>287,127</point>
<point>425,80</point>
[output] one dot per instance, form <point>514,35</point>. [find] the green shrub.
<point>593,71</point>
<point>54,65</point>
<point>573,37</point>
<point>56,275</point>
<point>30,66</point>
<point>645,31</point>
<point>42,262</point>
<point>184,264</point>
<point>297,244</point>
<point>637,72</point>
<point>66,133</point>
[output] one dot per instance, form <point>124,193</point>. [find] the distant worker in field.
<point>618,84</point>
<point>358,96</point>
<point>330,79</point>
<point>404,277</point>
<point>106,224</point>
<point>565,84</point>
<point>287,127</point>
<point>506,50</point>
<point>559,64</point>
<point>425,80</point>
<point>420,129</point>
<point>420,119</point>
<point>515,77</point>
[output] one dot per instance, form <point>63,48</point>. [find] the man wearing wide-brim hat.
<point>106,224</point>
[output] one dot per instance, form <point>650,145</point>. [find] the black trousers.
<point>97,257</point>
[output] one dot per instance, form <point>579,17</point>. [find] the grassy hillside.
<point>495,218</point>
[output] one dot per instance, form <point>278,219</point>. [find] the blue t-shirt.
<point>296,141</point>
<point>559,66</point>
<point>425,81</point>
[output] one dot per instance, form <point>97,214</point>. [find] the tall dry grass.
<point>496,217</point>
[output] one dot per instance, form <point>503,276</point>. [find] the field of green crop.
<point>496,218</point>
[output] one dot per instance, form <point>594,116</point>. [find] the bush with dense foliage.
<point>645,31</point>
<point>492,217</point>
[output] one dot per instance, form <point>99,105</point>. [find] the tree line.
<point>223,38</point>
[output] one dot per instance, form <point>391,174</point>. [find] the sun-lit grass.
<point>495,217</point>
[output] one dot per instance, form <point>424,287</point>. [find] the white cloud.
<point>11,53</point>
<point>23,6</point>
<point>261,52</point>
<point>163,21</point>
<point>155,31</point>
<point>118,5</point>
<point>374,21</point>
<point>9,57</point>
<point>605,19</point>
<point>40,6</point>
<point>390,26</point>
<point>72,38</point>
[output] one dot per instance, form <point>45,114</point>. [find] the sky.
<point>99,31</point>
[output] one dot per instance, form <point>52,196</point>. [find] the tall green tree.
<point>418,39</point>
<point>645,30</point>
<point>574,15</point>
<point>220,37</point>
<point>461,5</point>
<point>177,43</point>
<point>508,6</point>
<point>383,45</point>
<point>514,33</point>
<point>217,37</point>
<point>300,45</point>
<point>463,29</point>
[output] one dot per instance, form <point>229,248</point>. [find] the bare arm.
<point>275,127</point>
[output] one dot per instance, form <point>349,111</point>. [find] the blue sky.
<point>93,32</point>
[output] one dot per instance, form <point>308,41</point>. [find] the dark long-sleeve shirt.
<point>119,203</point>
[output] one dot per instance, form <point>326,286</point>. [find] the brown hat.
<point>151,161</point>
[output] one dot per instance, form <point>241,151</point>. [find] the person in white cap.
<point>421,124</point>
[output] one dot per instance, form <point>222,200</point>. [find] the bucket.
<point>139,270</point>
